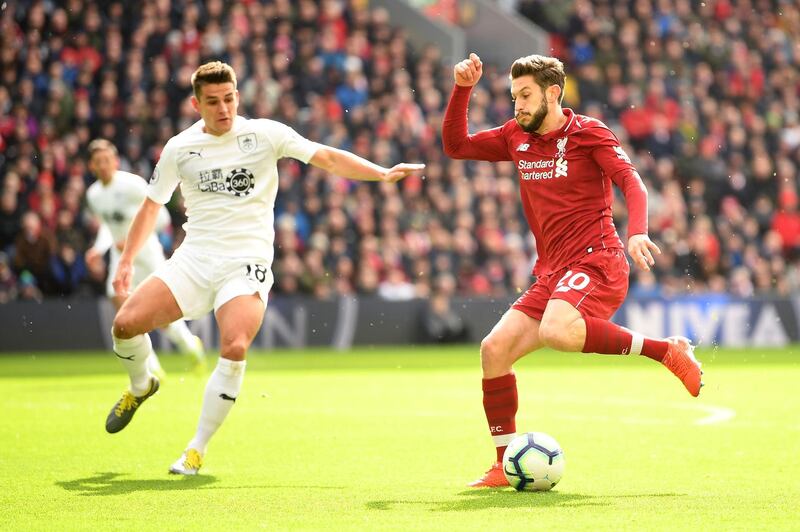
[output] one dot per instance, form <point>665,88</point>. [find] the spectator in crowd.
<point>8,281</point>
<point>10,215</point>
<point>786,224</point>
<point>706,106</point>
<point>34,247</point>
<point>440,323</point>
<point>396,287</point>
<point>67,269</point>
<point>28,289</point>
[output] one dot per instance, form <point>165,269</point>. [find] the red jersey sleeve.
<point>615,163</point>
<point>488,145</point>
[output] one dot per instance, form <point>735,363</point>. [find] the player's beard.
<point>536,120</point>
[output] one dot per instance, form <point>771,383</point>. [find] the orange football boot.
<point>680,361</point>
<point>493,478</point>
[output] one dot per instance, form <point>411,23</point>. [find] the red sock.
<point>500,404</point>
<point>605,337</point>
<point>655,349</point>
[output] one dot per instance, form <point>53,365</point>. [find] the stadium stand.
<point>705,104</point>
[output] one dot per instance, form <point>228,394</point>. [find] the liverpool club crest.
<point>561,146</point>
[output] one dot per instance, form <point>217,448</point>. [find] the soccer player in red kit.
<point>566,164</point>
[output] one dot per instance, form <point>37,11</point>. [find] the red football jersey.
<point>564,176</point>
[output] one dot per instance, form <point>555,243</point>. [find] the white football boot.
<point>188,464</point>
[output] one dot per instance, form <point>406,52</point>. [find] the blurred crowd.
<point>705,104</point>
<point>705,97</point>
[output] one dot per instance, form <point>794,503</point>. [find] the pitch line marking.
<point>716,414</point>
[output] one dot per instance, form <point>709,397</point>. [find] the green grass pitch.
<point>387,438</point>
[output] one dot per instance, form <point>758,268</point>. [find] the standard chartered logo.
<point>542,169</point>
<point>548,168</point>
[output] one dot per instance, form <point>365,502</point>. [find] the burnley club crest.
<point>247,143</point>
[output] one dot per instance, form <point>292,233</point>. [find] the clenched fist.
<point>469,71</point>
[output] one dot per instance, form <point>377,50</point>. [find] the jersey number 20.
<point>577,281</point>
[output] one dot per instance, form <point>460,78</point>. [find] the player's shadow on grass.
<point>110,484</point>
<point>486,498</point>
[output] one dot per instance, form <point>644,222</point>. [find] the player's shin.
<point>220,395</point>
<point>500,404</point>
<point>133,354</point>
<point>608,338</point>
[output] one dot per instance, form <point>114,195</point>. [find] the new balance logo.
<point>227,397</point>
<point>523,147</point>
<point>126,358</point>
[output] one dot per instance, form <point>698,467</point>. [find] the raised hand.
<point>469,71</point>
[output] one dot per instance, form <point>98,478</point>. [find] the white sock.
<point>153,364</point>
<point>221,392</point>
<point>180,335</point>
<point>637,341</point>
<point>133,354</point>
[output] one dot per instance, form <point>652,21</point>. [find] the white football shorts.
<point>202,281</point>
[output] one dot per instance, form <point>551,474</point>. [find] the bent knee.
<point>489,348</point>
<point>494,351</point>
<point>125,326</point>
<point>234,349</point>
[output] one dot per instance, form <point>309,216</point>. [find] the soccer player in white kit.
<point>115,198</point>
<point>226,167</point>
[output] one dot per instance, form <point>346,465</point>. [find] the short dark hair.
<point>101,144</point>
<point>546,71</point>
<point>213,72</point>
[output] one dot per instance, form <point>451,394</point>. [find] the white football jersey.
<point>229,183</point>
<point>116,204</point>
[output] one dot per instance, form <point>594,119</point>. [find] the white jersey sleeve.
<point>288,142</point>
<point>165,177</point>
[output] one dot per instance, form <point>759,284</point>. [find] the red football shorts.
<point>596,286</point>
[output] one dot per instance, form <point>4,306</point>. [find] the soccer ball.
<point>533,462</point>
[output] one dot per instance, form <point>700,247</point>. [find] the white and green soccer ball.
<point>533,461</point>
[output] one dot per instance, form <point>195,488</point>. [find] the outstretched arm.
<point>346,164</point>
<point>140,230</point>
<point>457,143</point>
